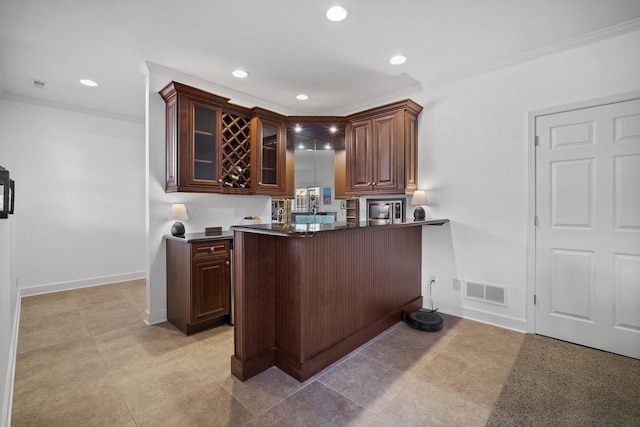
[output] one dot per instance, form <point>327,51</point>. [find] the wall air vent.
<point>39,84</point>
<point>485,292</point>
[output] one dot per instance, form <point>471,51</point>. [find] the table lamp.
<point>419,198</point>
<point>178,213</point>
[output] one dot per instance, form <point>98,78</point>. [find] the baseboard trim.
<point>507,322</point>
<point>7,405</point>
<point>155,317</point>
<point>77,284</point>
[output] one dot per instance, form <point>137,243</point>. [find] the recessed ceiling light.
<point>333,129</point>
<point>398,59</point>
<point>298,128</point>
<point>241,74</point>
<point>337,13</point>
<point>88,82</point>
<point>302,97</point>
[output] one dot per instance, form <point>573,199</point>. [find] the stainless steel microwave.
<point>381,212</point>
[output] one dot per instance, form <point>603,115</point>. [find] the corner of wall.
<point>7,402</point>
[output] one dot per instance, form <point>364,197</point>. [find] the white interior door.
<point>588,227</point>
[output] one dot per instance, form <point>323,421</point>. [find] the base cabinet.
<point>198,284</point>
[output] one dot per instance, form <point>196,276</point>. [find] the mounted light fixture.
<point>398,59</point>
<point>337,13</point>
<point>302,97</point>
<point>88,82</point>
<point>240,74</point>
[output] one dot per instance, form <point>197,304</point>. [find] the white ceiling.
<point>287,46</point>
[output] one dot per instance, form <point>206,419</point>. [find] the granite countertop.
<point>306,229</point>
<point>202,237</point>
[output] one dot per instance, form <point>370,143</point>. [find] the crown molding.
<point>237,97</point>
<point>382,99</point>
<point>69,107</point>
<point>530,55</point>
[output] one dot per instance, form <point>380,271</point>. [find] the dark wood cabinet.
<point>213,146</point>
<point>217,147</point>
<point>336,291</point>
<point>198,284</point>
<point>269,134</point>
<point>381,150</point>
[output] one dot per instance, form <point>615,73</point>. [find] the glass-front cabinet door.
<point>193,139</point>
<point>270,153</point>
<point>205,147</point>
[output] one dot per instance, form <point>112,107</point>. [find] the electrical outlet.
<point>457,284</point>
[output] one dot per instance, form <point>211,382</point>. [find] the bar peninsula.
<point>306,295</point>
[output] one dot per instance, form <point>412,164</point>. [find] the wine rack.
<point>236,151</point>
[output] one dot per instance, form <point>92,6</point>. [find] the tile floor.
<point>85,357</point>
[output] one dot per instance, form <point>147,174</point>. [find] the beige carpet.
<point>554,383</point>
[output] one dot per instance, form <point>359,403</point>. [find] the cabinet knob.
<point>212,249</point>
<point>220,180</point>
<point>227,263</point>
<point>260,183</point>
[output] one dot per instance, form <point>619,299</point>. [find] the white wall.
<point>79,209</point>
<point>8,313</point>
<point>79,196</point>
<point>474,163</point>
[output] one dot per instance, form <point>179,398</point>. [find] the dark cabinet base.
<point>302,303</point>
<point>198,284</point>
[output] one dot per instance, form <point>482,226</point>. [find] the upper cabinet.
<point>193,134</point>
<point>269,134</point>
<point>381,150</point>
<point>217,147</point>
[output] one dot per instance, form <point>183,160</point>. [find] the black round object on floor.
<point>425,321</point>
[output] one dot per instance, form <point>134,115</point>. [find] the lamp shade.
<point>178,212</point>
<point>419,198</point>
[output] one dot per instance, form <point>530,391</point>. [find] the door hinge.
<point>535,299</point>
<point>535,220</point>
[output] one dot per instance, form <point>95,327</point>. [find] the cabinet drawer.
<point>206,249</point>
